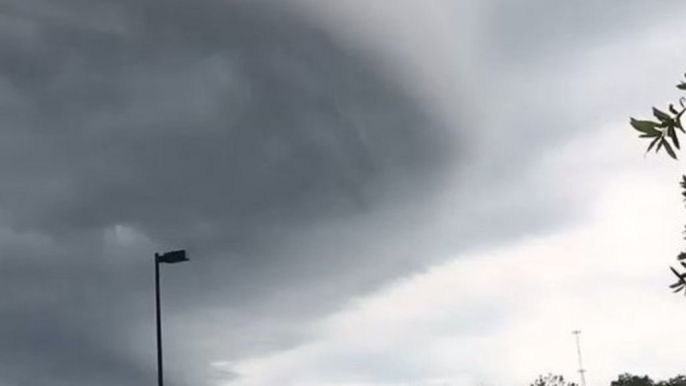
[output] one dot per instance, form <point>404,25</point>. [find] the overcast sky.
<point>370,192</point>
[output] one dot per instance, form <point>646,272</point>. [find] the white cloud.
<point>504,316</point>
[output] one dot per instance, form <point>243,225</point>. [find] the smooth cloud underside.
<point>212,116</point>
<point>220,127</point>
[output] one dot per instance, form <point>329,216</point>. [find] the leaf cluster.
<point>663,131</point>
<point>681,276</point>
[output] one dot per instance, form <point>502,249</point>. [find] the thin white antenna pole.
<point>582,372</point>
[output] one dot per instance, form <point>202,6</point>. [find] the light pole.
<point>168,257</point>
<point>582,372</point>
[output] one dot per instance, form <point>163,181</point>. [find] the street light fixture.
<point>168,257</point>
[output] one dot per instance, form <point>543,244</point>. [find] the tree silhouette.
<point>552,380</point>
<point>635,380</point>
<point>661,131</point>
<point>632,380</point>
<point>679,380</point>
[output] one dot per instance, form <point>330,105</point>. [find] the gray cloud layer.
<point>294,170</point>
<point>237,131</point>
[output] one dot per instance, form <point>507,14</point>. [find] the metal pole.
<point>160,379</point>
<point>582,372</point>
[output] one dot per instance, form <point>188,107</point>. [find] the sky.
<point>370,193</point>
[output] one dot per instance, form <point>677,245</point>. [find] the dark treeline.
<point>625,379</point>
<point>644,380</point>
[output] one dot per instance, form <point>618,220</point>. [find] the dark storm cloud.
<point>200,118</point>
<point>293,169</point>
<point>233,130</point>
<point>58,313</point>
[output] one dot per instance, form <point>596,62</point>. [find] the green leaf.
<point>648,127</point>
<point>681,86</point>
<point>660,143</point>
<point>668,147</point>
<point>672,109</point>
<point>672,134</point>
<point>652,144</point>
<point>661,115</point>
